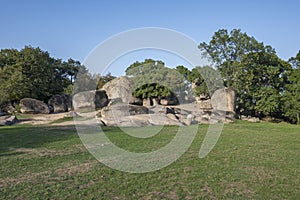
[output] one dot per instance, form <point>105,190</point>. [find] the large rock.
<point>8,120</point>
<point>121,110</point>
<point>90,100</point>
<point>120,87</point>
<point>60,103</point>
<point>223,99</point>
<point>33,106</point>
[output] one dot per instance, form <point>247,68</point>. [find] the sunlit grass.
<point>250,161</point>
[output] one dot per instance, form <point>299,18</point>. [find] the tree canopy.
<point>259,77</point>
<point>153,79</point>
<point>32,72</point>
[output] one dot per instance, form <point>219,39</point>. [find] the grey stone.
<point>33,106</point>
<point>8,120</point>
<point>120,87</point>
<point>60,103</point>
<point>90,100</point>
<point>224,99</point>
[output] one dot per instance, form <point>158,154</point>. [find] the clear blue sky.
<point>71,29</point>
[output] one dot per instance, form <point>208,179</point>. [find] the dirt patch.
<point>44,152</point>
<point>237,188</point>
<point>259,174</point>
<point>38,119</point>
<point>69,169</point>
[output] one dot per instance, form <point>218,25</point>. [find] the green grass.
<point>250,161</point>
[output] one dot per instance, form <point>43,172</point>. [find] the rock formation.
<point>60,103</point>
<point>120,87</point>
<point>90,100</point>
<point>33,106</point>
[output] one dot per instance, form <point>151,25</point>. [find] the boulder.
<point>90,100</point>
<point>8,120</point>
<point>33,106</point>
<point>119,87</point>
<point>224,99</point>
<point>121,110</point>
<point>60,103</point>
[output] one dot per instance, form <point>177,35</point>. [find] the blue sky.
<point>71,29</point>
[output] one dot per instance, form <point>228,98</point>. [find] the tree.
<point>252,69</point>
<point>152,79</point>
<point>291,97</point>
<point>102,80</point>
<point>227,50</point>
<point>31,72</point>
<point>204,80</point>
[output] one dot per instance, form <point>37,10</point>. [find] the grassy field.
<point>250,161</point>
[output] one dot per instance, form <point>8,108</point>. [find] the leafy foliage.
<point>152,79</point>
<point>262,80</point>
<point>31,72</point>
<point>291,97</point>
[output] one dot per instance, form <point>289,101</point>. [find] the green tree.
<point>252,69</point>
<point>31,72</point>
<point>153,79</point>
<point>291,97</point>
<point>204,80</point>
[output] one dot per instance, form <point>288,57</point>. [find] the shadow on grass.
<point>29,136</point>
<point>22,136</point>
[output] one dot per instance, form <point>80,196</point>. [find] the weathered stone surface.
<point>8,120</point>
<point>90,100</point>
<point>60,103</point>
<point>205,104</point>
<point>223,99</point>
<point>119,87</point>
<point>136,101</point>
<point>147,102</point>
<point>121,110</point>
<point>34,106</point>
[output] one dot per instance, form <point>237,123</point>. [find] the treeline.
<point>265,85</point>
<point>33,73</point>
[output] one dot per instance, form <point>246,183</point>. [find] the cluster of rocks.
<point>115,106</point>
<point>219,107</point>
<point>56,104</point>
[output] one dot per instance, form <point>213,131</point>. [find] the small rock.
<point>8,120</point>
